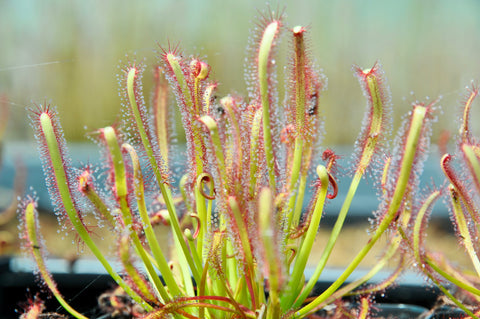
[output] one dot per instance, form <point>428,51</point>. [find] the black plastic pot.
<point>82,284</point>
<point>446,312</point>
<point>80,288</point>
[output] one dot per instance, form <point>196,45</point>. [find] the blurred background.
<point>69,52</point>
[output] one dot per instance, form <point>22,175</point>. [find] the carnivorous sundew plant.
<point>240,221</point>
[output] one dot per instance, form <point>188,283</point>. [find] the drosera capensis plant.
<point>240,222</point>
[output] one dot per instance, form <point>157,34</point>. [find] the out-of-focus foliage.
<point>67,52</point>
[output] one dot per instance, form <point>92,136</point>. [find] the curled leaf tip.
<point>333,183</point>
<point>206,179</point>
<point>200,69</point>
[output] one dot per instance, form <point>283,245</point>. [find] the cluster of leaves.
<point>239,224</point>
<point>462,193</point>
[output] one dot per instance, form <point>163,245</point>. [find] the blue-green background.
<point>68,52</point>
